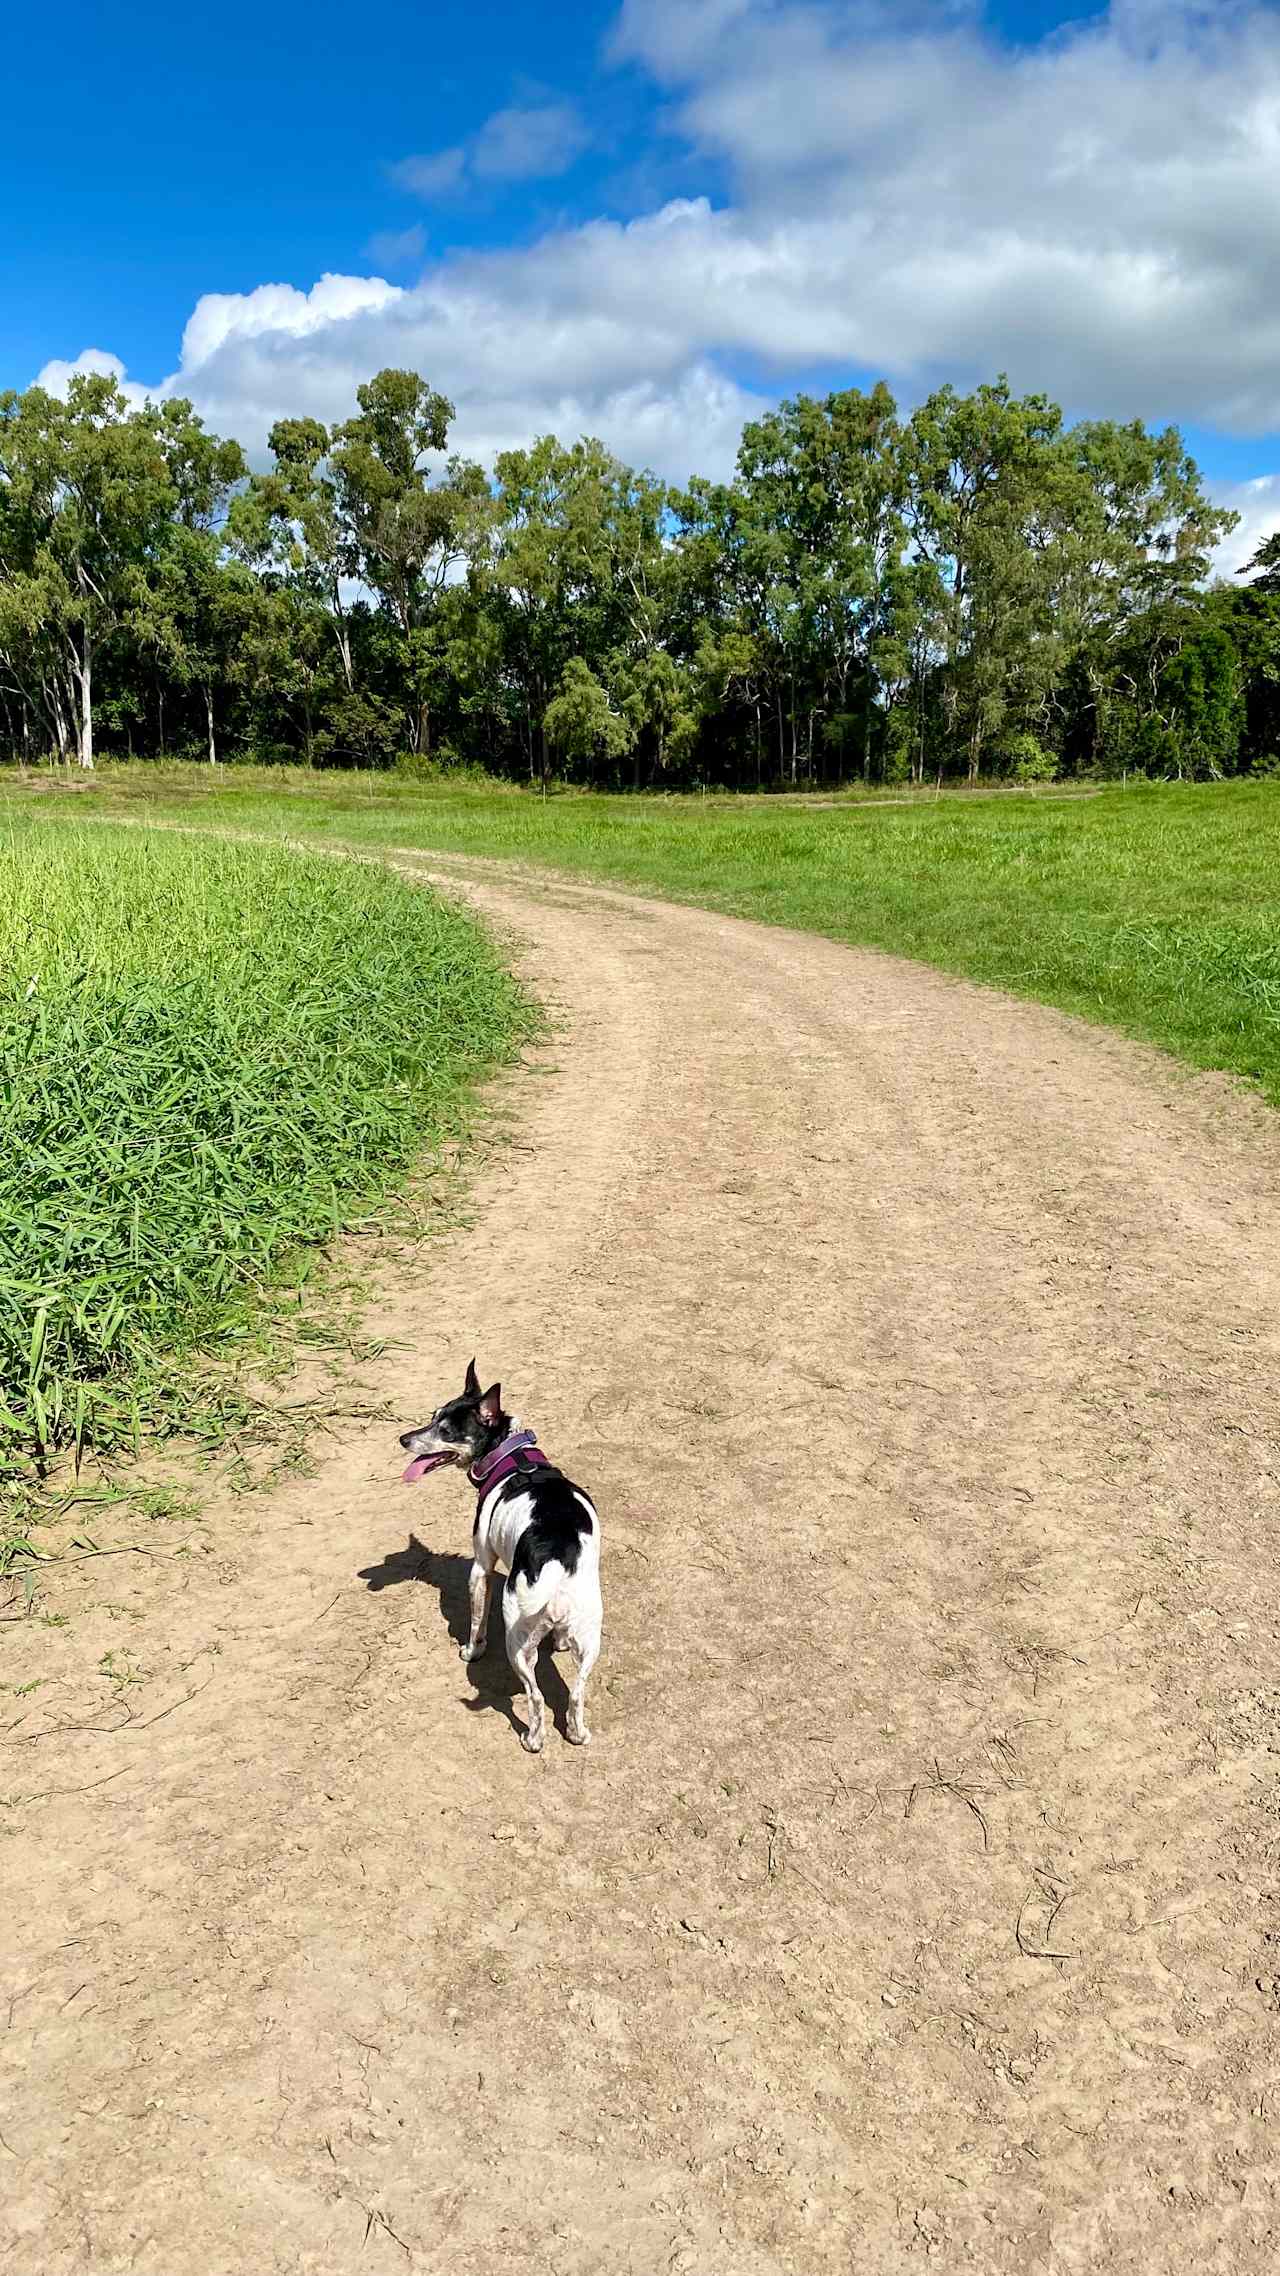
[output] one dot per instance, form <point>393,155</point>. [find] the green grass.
<point>209,1056</point>
<point>1154,910</point>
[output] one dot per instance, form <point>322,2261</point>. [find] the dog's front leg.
<point>481,1587</point>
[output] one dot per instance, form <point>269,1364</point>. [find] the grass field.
<point>208,1055</point>
<point>1154,910</point>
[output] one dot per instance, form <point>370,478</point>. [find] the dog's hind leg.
<point>523,1639</point>
<point>585,1651</point>
<point>482,1577</point>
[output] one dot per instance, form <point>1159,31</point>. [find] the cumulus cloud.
<point>1095,212</point>
<point>907,195</point>
<point>515,360</point>
<point>1258,505</point>
<point>524,143</point>
<point>56,376</point>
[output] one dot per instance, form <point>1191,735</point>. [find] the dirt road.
<point>917,1901</point>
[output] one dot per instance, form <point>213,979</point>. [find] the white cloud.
<point>524,143</point>
<point>1094,214</point>
<point>397,248</point>
<point>515,365</point>
<point>1258,505</point>
<point>436,175</point>
<point>528,142</point>
<point>55,377</point>
<point>279,310</point>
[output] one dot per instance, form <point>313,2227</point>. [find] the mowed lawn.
<point>1155,910</point>
<point>209,1055</point>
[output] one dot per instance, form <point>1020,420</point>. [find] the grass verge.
<point>210,1056</point>
<point>1154,910</point>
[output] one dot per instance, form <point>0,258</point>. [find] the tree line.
<point>978,588</point>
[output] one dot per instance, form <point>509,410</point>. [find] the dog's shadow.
<point>496,1685</point>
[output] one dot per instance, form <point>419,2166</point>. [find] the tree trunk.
<point>208,713</point>
<point>84,675</point>
<point>58,715</point>
<point>343,637</point>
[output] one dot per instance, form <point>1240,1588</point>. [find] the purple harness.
<point>494,1469</point>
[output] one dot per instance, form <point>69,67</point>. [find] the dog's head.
<point>460,1431</point>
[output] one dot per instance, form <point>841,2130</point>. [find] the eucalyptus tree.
<point>975,469</point>
<point>1264,567</point>
<point>197,612</point>
<point>287,524</point>
<point>583,723</point>
<point>980,586</point>
<point>820,488</point>
<point>409,525</point>
<point>89,488</point>
<point>729,612</point>
<point>576,552</point>
<point>1128,534</point>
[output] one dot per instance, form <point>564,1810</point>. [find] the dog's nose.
<point>405,1437</point>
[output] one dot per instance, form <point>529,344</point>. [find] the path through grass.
<point>1156,910</point>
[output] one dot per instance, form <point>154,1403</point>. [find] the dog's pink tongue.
<point>420,1466</point>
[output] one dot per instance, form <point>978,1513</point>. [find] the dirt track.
<point>917,1902</point>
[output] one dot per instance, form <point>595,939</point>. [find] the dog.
<point>534,1521</point>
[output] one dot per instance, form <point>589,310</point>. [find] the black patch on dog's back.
<point>559,1524</point>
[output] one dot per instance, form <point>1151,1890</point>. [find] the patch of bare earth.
<point>917,1902</point>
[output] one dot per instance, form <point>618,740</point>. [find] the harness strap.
<point>496,1467</point>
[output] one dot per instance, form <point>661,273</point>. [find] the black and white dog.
<point>533,1520</point>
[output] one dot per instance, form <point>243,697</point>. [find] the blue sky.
<point>151,155</point>
<point>653,215</point>
<point>155,154</point>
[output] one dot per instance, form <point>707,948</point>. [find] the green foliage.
<point>869,598</point>
<point>581,722</point>
<point>1026,760</point>
<point>208,1055</point>
<point>1264,568</point>
<point>91,494</point>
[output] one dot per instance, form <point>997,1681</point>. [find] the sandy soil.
<point>917,1900</point>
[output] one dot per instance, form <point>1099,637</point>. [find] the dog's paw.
<point>531,1742</point>
<point>466,1653</point>
<point>580,1738</point>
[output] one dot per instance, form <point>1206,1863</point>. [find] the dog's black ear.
<point>491,1403</point>
<point>471,1388</point>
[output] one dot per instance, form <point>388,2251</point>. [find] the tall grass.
<point>208,1053</point>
